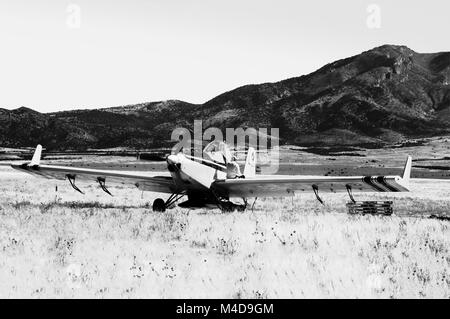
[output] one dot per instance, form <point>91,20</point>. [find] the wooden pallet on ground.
<point>371,207</point>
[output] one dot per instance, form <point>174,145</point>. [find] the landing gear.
<point>159,205</point>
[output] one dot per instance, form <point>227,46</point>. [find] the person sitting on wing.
<point>233,170</point>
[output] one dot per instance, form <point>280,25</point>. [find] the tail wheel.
<point>159,205</point>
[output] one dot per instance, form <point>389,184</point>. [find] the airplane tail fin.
<point>250,163</point>
<point>407,170</point>
<point>36,156</point>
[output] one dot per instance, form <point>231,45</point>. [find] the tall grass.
<point>64,244</point>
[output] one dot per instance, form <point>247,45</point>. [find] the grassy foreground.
<point>64,244</point>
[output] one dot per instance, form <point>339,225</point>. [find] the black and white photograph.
<point>242,151</point>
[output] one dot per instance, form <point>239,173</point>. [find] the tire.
<point>159,205</point>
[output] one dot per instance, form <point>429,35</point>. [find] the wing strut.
<point>350,193</point>
<point>101,181</point>
<point>316,192</point>
<point>71,178</point>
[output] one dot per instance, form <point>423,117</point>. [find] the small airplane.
<point>213,180</point>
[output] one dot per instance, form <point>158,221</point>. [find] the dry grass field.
<point>67,245</point>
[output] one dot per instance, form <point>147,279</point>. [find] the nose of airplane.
<point>172,159</point>
<point>173,163</point>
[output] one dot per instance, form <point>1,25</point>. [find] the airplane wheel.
<point>159,205</point>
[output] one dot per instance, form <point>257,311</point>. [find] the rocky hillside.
<point>384,95</point>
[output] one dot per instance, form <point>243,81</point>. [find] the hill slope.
<point>384,95</point>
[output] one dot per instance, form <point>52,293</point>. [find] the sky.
<point>59,54</point>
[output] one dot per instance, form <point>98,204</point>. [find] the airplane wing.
<point>142,180</point>
<point>281,185</point>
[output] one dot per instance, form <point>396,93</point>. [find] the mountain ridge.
<point>381,96</point>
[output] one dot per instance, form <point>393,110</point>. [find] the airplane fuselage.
<point>197,175</point>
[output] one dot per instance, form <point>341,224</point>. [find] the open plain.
<point>55,242</point>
